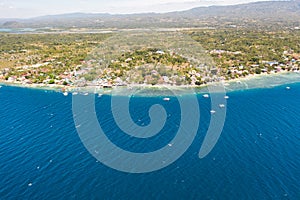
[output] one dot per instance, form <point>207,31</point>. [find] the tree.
<point>258,71</point>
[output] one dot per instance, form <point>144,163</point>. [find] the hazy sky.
<point>31,8</point>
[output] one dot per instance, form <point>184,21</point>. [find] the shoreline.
<point>196,89</point>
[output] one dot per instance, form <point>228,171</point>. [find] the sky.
<point>33,8</point>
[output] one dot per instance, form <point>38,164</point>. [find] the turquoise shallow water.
<point>256,157</point>
<point>21,30</point>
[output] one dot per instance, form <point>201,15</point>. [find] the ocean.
<point>256,157</point>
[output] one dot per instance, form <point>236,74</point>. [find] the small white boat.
<point>166,99</point>
<point>212,111</point>
<point>100,95</point>
<point>226,97</point>
<point>206,96</point>
<point>75,93</point>
<point>65,93</point>
<point>288,88</point>
<point>221,105</point>
<point>86,94</point>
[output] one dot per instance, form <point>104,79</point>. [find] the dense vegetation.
<point>250,49</point>
<point>64,59</point>
<point>55,53</point>
<point>149,65</point>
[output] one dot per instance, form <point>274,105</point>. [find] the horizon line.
<point>138,12</point>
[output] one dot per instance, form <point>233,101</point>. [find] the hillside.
<point>271,13</point>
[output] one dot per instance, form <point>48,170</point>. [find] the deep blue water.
<point>256,157</point>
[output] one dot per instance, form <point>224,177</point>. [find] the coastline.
<point>257,81</point>
<point>249,82</point>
